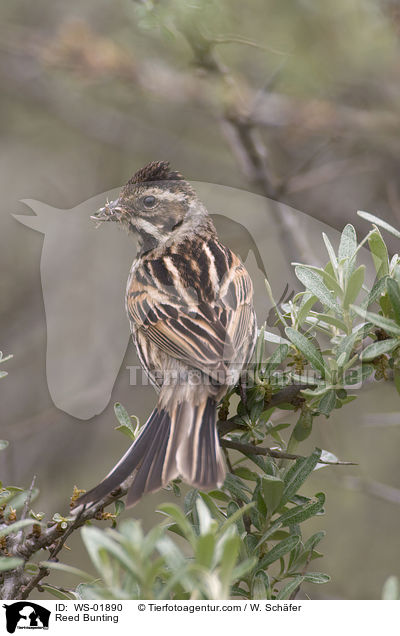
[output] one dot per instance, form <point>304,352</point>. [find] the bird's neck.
<point>197,223</point>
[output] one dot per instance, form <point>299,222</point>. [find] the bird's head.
<point>156,203</point>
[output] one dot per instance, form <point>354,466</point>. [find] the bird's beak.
<point>110,212</point>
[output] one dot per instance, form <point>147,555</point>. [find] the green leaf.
<point>228,560</point>
<point>57,593</point>
<point>379,253</point>
<point>386,324</point>
<point>68,569</point>
<point>7,494</point>
<point>358,375</point>
<point>378,348</point>
<point>177,515</point>
<point>397,379</point>
<point>301,513</point>
<point>377,290</point>
<point>331,252</point>
<point>354,286</point>
<point>18,525</point>
<point>290,587</point>
<point>102,546</point>
<point>307,348</point>
<point>374,219</point>
<point>303,427</point>
<point>279,550</point>
<point>204,550</point>
<point>391,589</point>
<point>243,568</point>
<point>259,350</point>
<point>10,563</point>
<point>346,347</point>
<point>298,473</point>
<point>326,275</point>
<point>316,577</point>
<point>314,540</point>
<point>307,303</point>
<point>393,290</point>
<point>278,356</point>
<point>119,507</point>
<point>273,337</point>
<point>327,402</point>
<point>314,283</point>
<point>272,490</point>
<point>3,444</point>
<point>259,587</point>
<point>233,518</point>
<point>348,243</point>
<point>236,487</point>
<point>245,473</point>
<point>330,320</point>
<point>326,456</point>
<point>126,424</point>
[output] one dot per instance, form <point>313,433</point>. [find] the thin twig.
<point>250,449</point>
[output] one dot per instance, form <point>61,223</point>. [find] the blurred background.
<point>297,101</point>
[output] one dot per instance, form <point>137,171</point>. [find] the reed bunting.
<point>189,301</point>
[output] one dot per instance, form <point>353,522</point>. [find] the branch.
<point>17,583</point>
<point>250,449</point>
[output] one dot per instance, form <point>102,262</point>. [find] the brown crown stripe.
<point>155,171</point>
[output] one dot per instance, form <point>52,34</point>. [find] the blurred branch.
<point>374,488</point>
<point>77,49</point>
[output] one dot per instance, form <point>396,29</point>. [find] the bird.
<point>189,302</point>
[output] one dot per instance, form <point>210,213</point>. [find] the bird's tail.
<point>178,440</point>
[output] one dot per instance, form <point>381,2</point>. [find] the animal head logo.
<point>26,615</point>
<point>84,273</point>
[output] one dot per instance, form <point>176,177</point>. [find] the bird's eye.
<point>149,201</point>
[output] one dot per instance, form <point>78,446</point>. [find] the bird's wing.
<point>204,335</point>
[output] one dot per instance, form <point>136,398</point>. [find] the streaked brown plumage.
<point>189,301</point>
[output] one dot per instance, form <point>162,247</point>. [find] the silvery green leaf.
<point>327,456</point>
<point>307,348</point>
<point>386,324</point>
<point>374,219</point>
<point>317,577</point>
<point>327,402</point>
<point>314,283</point>
<point>377,290</point>
<point>290,587</point>
<point>379,348</point>
<point>379,253</point>
<point>348,243</point>
<point>393,290</point>
<point>391,589</point>
<point>331,251</point>
<point>307,303</point>
<point>328,320</point>
<point>298,473</point>
<point>272,489</point>
<point>273,337</point>
<point>10,563</point>
<point>354,286</point>
<point>279,550</point>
